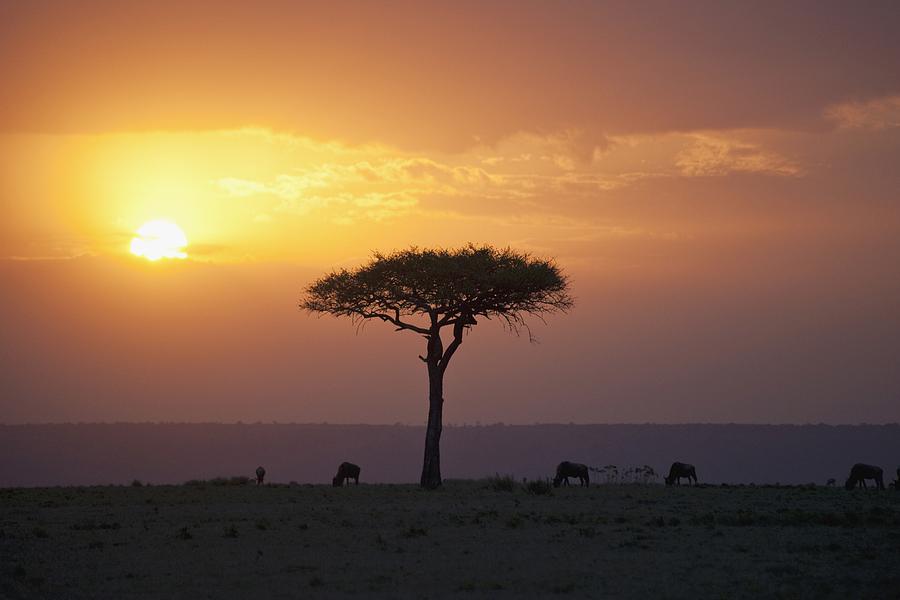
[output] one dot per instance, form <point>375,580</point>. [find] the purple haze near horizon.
<point>213,343</point>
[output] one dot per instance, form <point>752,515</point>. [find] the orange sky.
<point>720,182</point>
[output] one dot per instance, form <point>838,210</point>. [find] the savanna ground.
<point>468,539</point>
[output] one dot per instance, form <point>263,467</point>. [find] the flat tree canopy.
<point>426,290</point>
<point>445,286</point>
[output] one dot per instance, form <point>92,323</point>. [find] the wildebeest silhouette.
<point>260,475</point>
<point>679,470</point>
<point>567,469</point>
<point>346,471</point>
<point>860,472</point>
<point>831,482</point>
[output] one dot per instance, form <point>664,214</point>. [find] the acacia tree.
<point>424,291</point>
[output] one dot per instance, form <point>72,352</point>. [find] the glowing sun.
<point>159,239</point>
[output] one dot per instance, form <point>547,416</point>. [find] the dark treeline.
<point>38,455</point>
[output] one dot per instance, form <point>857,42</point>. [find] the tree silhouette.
<point>424,291</point>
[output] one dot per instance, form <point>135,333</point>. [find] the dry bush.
<point>539,487</point>
<point>501,483</point>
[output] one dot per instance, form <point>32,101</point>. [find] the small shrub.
<point>316,582</point>
<point>501,483</point>
<point>263,524</point>
<point>137,483</point>
<point>514,522</point>
<point>539,487</point>
<point>231,531</point>
<point>183,534</point>
<point>40,532</point>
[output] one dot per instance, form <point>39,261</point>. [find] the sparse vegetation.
<point>539,487</point>
<point>502,483</point>
<point>236,480</point>
<point>789,541</point>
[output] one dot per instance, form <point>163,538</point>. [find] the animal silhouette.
<point>860,472</point>
<point>346,471</point>
<point>568,469</point>
<point>679,470</point>
<point>260,475</point>
<point>831,482</point>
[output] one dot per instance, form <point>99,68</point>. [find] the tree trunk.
<point>431,468</point>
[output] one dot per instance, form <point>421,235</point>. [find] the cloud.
<point>709,155</point>
<point>523,174</point>
<point>882,113</point>
<point>240,187</point>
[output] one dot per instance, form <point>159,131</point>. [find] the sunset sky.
<point>721,182</point>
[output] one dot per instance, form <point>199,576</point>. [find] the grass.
<point>470,538</point>
<point>539,487</point>
<point>502,483</point>
<point>237,480</point>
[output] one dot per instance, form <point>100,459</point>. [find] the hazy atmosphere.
<point>724,201</point>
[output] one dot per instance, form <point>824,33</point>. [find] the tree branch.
<point>394,320</point>
<point>459,327</point>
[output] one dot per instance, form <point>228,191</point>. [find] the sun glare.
<point>159,239</point>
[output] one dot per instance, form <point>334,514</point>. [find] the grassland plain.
<point>468,539</point>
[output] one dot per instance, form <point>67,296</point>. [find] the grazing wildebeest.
<point>860,472</point>
<point>568,469</point>
<point>679,470</point>
<point>346,472</point>
<point>260,475</point>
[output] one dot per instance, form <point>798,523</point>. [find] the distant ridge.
<point>117,453</point>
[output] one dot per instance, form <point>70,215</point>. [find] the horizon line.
<point>449,425</point>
